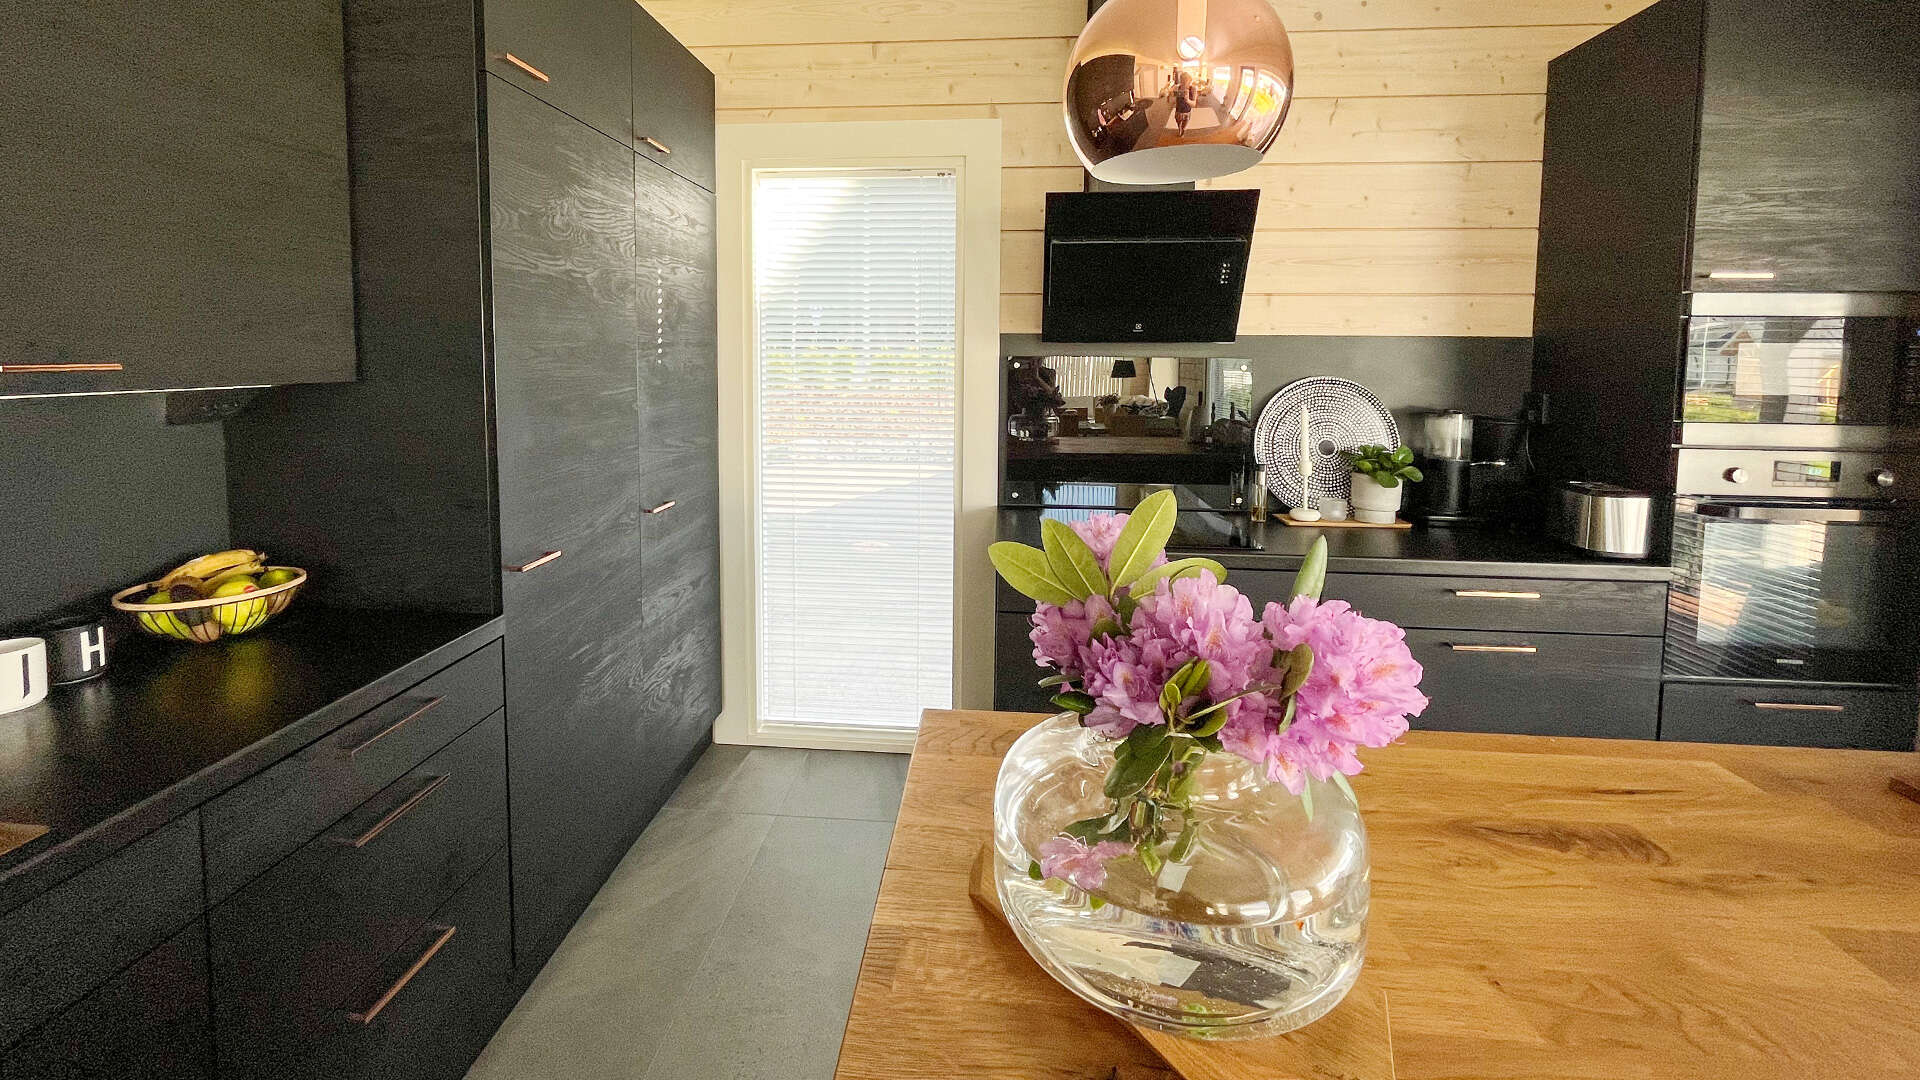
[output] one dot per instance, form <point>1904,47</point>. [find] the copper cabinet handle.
<point>366,1015</point>
<point>395,726</point>
<point>526,67</point>
<point>663,507</point>
<point>1796,706</point>
<point>406,807</point>
<point>656,144</point>
<point>537,563</point>
<point>1527,649</point>
<point>59,367</point>
<point>1496,594</point>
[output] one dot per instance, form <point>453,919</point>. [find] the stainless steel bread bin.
<point>1604,519</point>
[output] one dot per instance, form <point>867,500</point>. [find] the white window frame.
<point>971,149</point>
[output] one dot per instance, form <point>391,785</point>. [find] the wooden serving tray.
<point>1396,523</point>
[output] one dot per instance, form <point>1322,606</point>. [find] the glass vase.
<point>1258,928</point>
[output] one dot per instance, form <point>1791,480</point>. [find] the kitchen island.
<point>1542,907</point>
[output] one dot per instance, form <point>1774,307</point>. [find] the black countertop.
<point>171,725</point>
<point>1451,551</point>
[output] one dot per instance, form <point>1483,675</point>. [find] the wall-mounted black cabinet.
<point>672,103</point>
<point>176,178</point>
<point>575,55</point>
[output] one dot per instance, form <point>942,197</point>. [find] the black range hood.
<point>1150,266</point>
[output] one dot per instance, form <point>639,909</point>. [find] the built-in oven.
<point>1794,565</point>
<point>1835,371</point>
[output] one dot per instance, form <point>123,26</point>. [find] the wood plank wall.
<point>1401,198</point>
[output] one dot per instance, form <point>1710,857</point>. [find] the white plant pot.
<point>1374,504</point>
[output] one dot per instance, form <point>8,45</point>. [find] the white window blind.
<point>855,304</point>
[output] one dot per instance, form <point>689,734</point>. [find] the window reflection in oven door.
<point>1803,591</point>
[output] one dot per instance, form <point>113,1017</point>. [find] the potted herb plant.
<point>1377,477</point>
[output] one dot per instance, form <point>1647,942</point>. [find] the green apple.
<point>240,617</point>
<point>279,575</point>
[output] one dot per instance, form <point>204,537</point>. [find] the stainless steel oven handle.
<point>1824,515</point>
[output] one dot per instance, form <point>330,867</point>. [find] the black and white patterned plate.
<point>1341,414</point>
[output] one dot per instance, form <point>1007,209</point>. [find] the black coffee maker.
<point>1475,468</point>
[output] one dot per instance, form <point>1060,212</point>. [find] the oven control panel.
<point>1801,474</point>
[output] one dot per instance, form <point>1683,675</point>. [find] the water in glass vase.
<point>1256,928</point>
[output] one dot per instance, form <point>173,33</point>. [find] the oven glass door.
<point>1821,371</point>
<point>1791,591</point>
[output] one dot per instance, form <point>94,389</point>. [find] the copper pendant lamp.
<point>1168,91</point>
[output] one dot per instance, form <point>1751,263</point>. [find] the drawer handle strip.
<point>664,507</point>
<point>406,807</point>
<point>1495,594</point>
<point>656,144</point>
<point>1797,706</point>
<point>537,563</point>
<point>1526,649</point>
<point>526,67</point>
<point>380,1003</point>
<point>395,726</point>
<point>16,368</point>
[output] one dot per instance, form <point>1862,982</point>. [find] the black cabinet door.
<point>672,103</point>
<point>147,1023</point>
<point>1016,678</point>
<point>564,366</point>
<point>175,179</point>
<point>679,474</point>
<point>1594,685</point>
<point>576,55</point>
<point>1807,166</point>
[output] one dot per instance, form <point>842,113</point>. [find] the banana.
<point>216,565</point>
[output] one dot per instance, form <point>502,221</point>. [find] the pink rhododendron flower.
<point>1081,866</point>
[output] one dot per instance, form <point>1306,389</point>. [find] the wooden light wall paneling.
<point>1402,196</point>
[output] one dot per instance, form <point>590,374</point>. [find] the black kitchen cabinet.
<point>1593,685</point>
<point>678,370</point>
<point>1016,678</point>
<point>680,645</point>
<point>149,1022</point>
<point>673,97</point>
<point>1806,147</point>
<point>565,326</point>
<point>180,175</point>
<point>575,55</point>
<point>1786,714</point>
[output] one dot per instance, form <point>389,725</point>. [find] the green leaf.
<point>1027,570</point>
<point>1299,666</point>
<point>1105,628</point>
<point>1403,455</point>
<point>1094,903</point>
<point>1385,480</point>
<point>1211,742</point>
<point>1150,859</point>
<point>1056,680</point>
<point>1142,538</point>
<point>1170,699</point>
<point>1175,570</point>
<point>1340,781</point>
<point>1286,717</point>
<point>1413,475</point>
<point>1131,774</point>
<point>1193,677</point>
<point>1033,871</point>
<point>1313,570</point>
<point>1145,737</point>
<point>1073,701</point>
<point>1183,845</point>
<point>1306,798</point>
<point>1074,563</point>
<point>1181,790</point>
<point>1210,723</point>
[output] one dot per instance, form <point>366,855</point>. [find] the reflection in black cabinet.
<point>1807,168</point>
<point>672,103</point>
<point>148,1023</point>
<point>573,54</point>
<point>176,179</point>
<point>564,359</point>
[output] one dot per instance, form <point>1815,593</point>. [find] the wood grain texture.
<point>565,331</point>
<point>13,835</point>
<point>1542,908</point>
<point>1388,90</point>
<point>785,22</point>
<point>672,102</point>
<point>584,47</point>
<point>188,195</point>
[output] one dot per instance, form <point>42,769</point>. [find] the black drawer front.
<point>289,948</point>
<point>1771,714</point>
<point>56,948</point>
<point>1539,684</point>
<point>1542,605</point>
<point>263,820</point>
<point>148,1023</point>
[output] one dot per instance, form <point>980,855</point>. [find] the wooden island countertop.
<point>1542,908</point>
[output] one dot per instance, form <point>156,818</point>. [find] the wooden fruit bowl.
<point>213,618</point>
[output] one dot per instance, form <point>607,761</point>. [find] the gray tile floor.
<point>726,944</point>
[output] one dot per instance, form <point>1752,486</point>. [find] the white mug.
<point>23,673</point>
